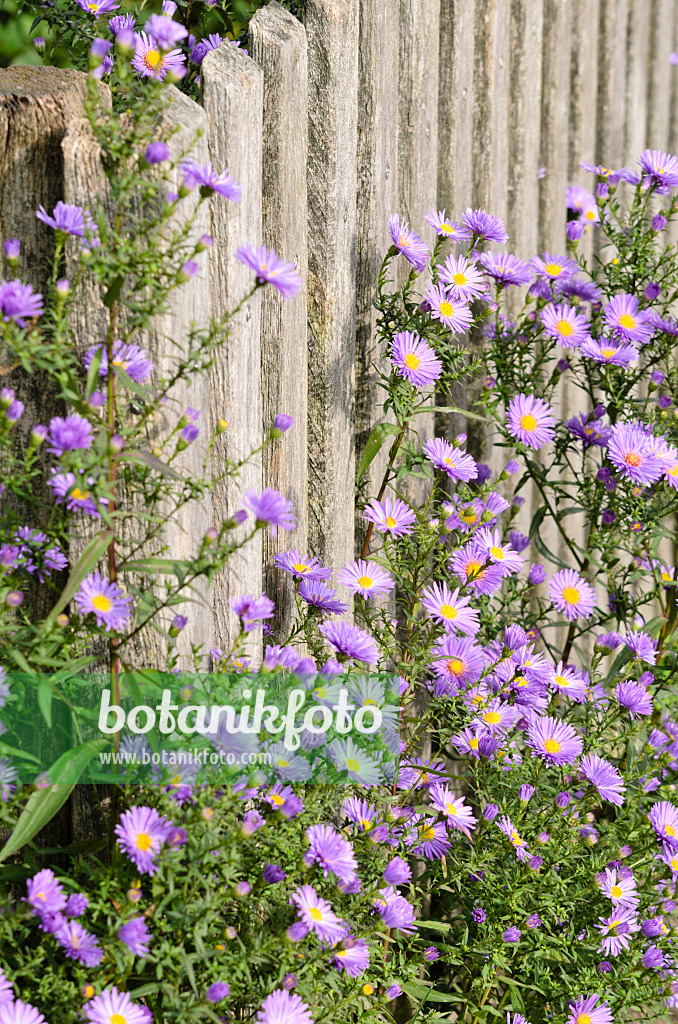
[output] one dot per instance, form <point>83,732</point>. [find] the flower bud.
<point>222,425</point>
<point>14,598</point>
<point>116,444</point>
<point>62,620</point>
<point>12,248</point>
<point>204,242</point>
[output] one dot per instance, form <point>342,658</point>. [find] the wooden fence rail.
<point>362,109</point>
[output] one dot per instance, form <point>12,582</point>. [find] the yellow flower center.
<point>412,361</point>
<point>590,214</point>
<point>565,328</point>
<point>427,832</point>
<point>632,459</point>
<point>608,352</point>
<point>277,800</point>
<point>665,576</point>
<point>627,321</point>
<point>583,1018</point>
<point>570,595</point>
<point>102,603</point>
<point>448,612</point>
<point>282,763</point>
<point>469,516</point>
<point>551,746</point>
<point>473,744</point>
<point>446,228</point>
<point>528,422</point>
<point>472,568</point>
<point>300,567</point>
<point>451,809</point>
<point>143,841</point>
<point>459,279</point>
<point>316,914</point>
<point>365,581</point>
<point>670,830</point>
<point>40,896</point>
<point>389,521</point>
<point>446,309</point>
<point>455,666</point>
<point>88,991</point>
<point>153,60</point>
<point>497,553</point>
<point>553,269</point>
<point>352,764</point>
<point>492,717</point>
<point>616,891</point>
<point>521,681</point>
<point>367,989</point>
<point>561,681</point>
<point>366,824</point>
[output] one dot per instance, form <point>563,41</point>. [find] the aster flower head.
<point>554,741</point>
<point>45,894</point>
<point>617,930</point>
<point>151,61</point>
<point>271,508</point>
<point>302,566</point>
<point>470,564</point>
<point>141,834</point>
<point>331,851</point>
<point>317,914</point>
<point>620,889</point>
<point>415,360</point>
<point>319,595</point>
<point>660,170</point>
<point>507,828</point>
<point>115,1006</point>
<point>458,661</point>
<point>635,698</point>
<point>270,269</point>
<point>551,268</point>
<point>445,227</point>
<point>506,269</point>
<point>451,610</point>
<point>408,243</point>
<point>457,464</point>
<point>350,642</point>
<point>664,820</point>
<point>642,646</point>
<point>571,594</point>
<point>463,279</point>
<point>530,420</point>
<point>129,357</point>
<point>584,1011</point>
<point>459,815</point>
<point>589,430</point>
<point>565,324</point>
<point>365,578</point>
<point>79,944</point>
<point>69,433</point>
<point>452,313</point>
<point>501,555</point>
<point>428,837</point>
<point>484,226</point>
<point>634,453</point>
<point>209,181</point>
<point>604,776</point>
<point>19,302</point>
<point>69,219</point>
<point>97,7</point>
<point>623,315</point>
<point>283,1007</point>
<point>105,600</point>
<point>568,681</point>
<point>612,353</point>
<point>395,518</point>
<point>18,1012</point>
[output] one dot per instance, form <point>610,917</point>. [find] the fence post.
<point>332,33</point>
<point>662,16</point>
<point>455,106</point>
<point>638,80</point>
<point>527,22</point>
<point>377,199</point>
<point>277,42</point>
<point>554,124</point>
<point>612,83</point>
<point>232,89</point>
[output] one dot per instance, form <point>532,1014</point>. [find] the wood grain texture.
<point>612,69</point>
<point>332,34</point>
<point>583,97</point>
<point>232,86</point>
<point>455,105</point>
<point>277,42</point>
<point>376,200</point>
<point>524,141</point>
<point>554,124</point>
<point>638,80</point>
<point>663,19</point>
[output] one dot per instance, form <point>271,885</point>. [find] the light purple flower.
<point>270,269</point>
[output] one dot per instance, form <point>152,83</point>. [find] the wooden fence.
<point>366,108</point>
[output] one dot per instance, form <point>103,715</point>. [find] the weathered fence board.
<point>376,200</point>
<point>612,69</point>
<point>232,86</point>
<point>636,116</point>
<point>662,28</point>
<point>525,73</point>
<point>277,42</point>
<point>554,122</point>
<point>332,32</point>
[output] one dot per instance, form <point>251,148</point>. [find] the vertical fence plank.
<point>637,79</point>
<point>332,33</point>
<point>612,62</point>
<point>418,133</point>
<point>232,86</point>
<point>527,18</point>
<point>554,124</point>
<point>583,97</point>
<point>662,16</point>
<point>277,42</point>
<point>376,200</point>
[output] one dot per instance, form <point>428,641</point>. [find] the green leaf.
<point>374,443</point>
<point>452,408</point>
<point>145,458</point>
<point>85,564</point>
<point>44,803</point>
<point>537,520</point>
<point>171,566</point>
<point>93,371</point>
<point>113,293</point>
<point>45,699</point>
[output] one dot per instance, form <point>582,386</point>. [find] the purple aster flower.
<point>451,610</point>
<point>272,508</point>
<point>19,302</point>
<point>209,181</point>
<point>130,358</point>
<point>14,411</point>
<point>623,315</point>
<point>431,954</point>
<point>453,314</point>
<point>156,153</point>
<point>105,600</point>
<point>72,220</point>
<point>457,661</point>
<point>574,230</point>
<point>44,893</point>
<point>658,222</point>
<point>350,642</point>
<point>664,820</point>
<point>617,930</point>
<point>511,934</point>
<point>79,944</point>
<point>506,268</point>
<point>525,793</point>
<point>395,518</point>
<point>68,434</point>
<point>478,915</point>
<point>408,243</point>
<point>457,464</point>
<point>553,268</point>
<point>317,915</point>
<point>302,566</point>
<point>218,991</point>
<point>415,360</point>
<point>642,646</point>
<point>136,936</point>
<point>484,226</point>
<point>12,248</point>
<point>444,227</point>
<point>635,698</point>
<point>141,833</point>
<point>652,927</point>
<point>397,871</point>
<point>110,1004</point>
<point>270,269</point>
<point>554,741</point>
<point>76,905</point>
<point>660,170</point>
<point>571,594</point>
<point>122,22</point>
<point>365,578</point>
<point>519,542</point>
<point>530,420</point>
<point>584,1011</point>
<point>653,958</point>
<point>273,874</point>
<point>634,452</point>
<point>150,61</point>
<point>394,910</point>
<point>251,610</point>
<point>589,430</point>
<point>283,422</point>
<point>282,1007</point>
<point>393,991</point>
<point>203,47</point>
<point>534,921</point>
<point>63,486</point>
<point>165,31</point>
<point>664,402</point>
<point>537,574</point>
<point>464,280</point>
<point>611,353</point>
<point>97,7</point>
<point>318,594</point>
<point>18,1012</point>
